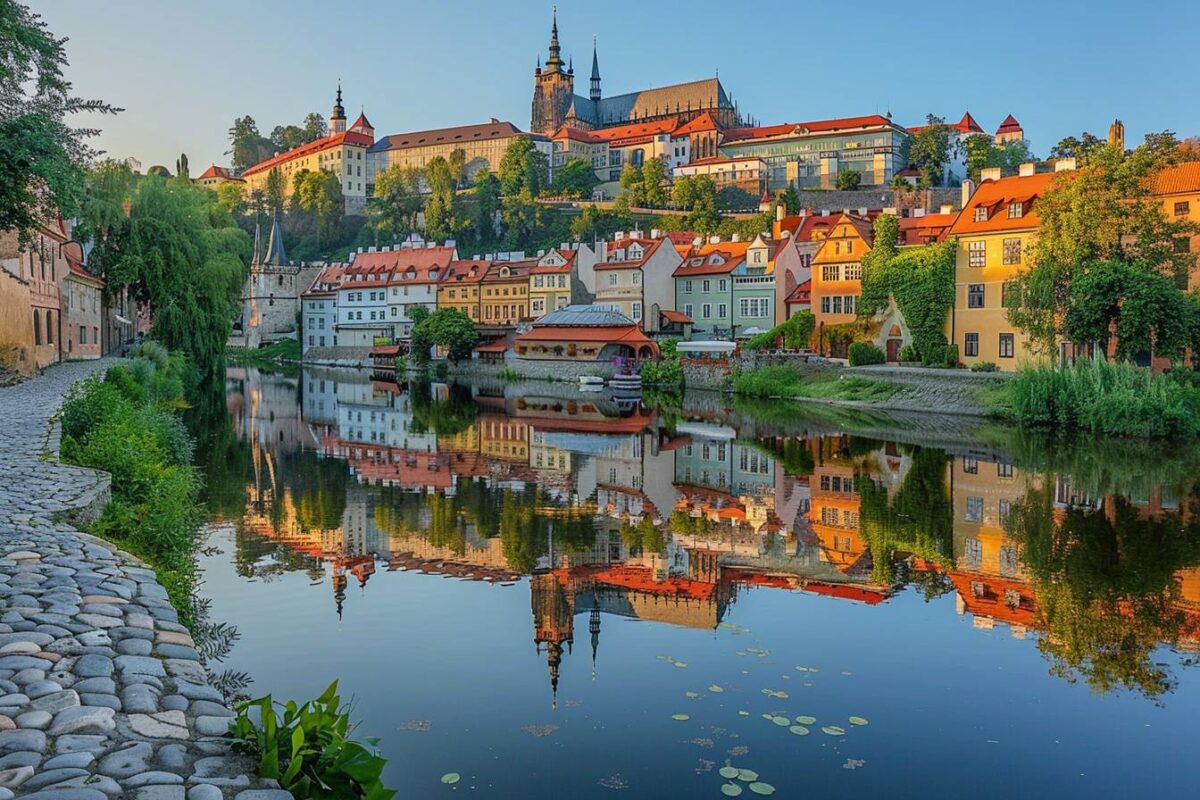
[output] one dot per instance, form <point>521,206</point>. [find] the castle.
<point>555,103</point>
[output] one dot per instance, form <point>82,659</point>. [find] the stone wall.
<point>534,369</point>
<point>835,200</point>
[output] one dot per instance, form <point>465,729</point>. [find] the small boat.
<point>591,380</point>
<point>626,383</point>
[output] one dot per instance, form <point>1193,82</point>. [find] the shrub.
<point>306,748</point>
<point>796,331</point>
<point>945,355</point>
<point>441,371</point>
<point>863,353</point>
<point>667,372</point>
<point>984,366</point>
<point>908,354</point>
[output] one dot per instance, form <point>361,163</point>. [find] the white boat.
<point>591,380</point>
<point>626,383</point>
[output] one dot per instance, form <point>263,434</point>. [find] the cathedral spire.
<point>554,62</point>
<point>337,119</point>
<point>594,94</point>
<point>275,256</point>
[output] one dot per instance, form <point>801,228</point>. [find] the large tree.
<point>442,206</point>
<point>1080,148</point>
<point>523,167</point>
<point>655,186</point>
<point>42,158</point>
<point>930,149</point>
<point>485,206</point>
<point>247,145</point>
<point>450,329</point>
<point>982,151</point>
<point>319,194</point>
<point>698,195</point>
<point>397,201</point>
<point>576,178</point>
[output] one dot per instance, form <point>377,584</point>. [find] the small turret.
<point>594,94</point>
<point>337,118</point>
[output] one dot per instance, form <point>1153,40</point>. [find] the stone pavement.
<point>102,693</point>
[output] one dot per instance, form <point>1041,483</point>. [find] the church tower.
<point>553,88</point>
<point>594,92</point>
<point>337,119</point>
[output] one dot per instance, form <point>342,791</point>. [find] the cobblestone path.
<point>101,691</point>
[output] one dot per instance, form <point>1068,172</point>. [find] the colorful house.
<point>634,275</point>
<point>82,307</point>
<point>1178,188</point>
<point>585,333</point>
<point>754,287</point>
<point>504,292</point>
<point>460,287</point>
<point>554,283</point>
<point>994,233</point>
<point>704,286</point>
<point>837,278</point>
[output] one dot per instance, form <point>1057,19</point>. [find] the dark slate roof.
<point>275,254</point>
<point>651,102</point>
<point>592,316</point>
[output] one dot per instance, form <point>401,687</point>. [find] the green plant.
<point>863,353</point>
<point>441,371</point>
<point>509,374</point>
<point>908,354</point>
<point>796,331</point>
<point>984,366</point>
<point>305,747</point>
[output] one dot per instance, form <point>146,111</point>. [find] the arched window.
<point>49,327</point>
<point>37,328</point>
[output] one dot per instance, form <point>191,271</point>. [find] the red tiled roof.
<point>218,172</point>
<point>966,125</point>
<point>362,122</point>
<point>578,134</point>
<point>928,226</point>
<point>639,131</point>
<point>333,140</point>
<point>494,346</point>
<point>462,133</point>
<point>517,271</point>
<point>802,128</point>
<point>1009,125</point>
<point>650,247</point>
<point>327,280</point>
<point>1177,179</point>
<point>995,196</point>
<point>801,294</point>
<point>411,265</point>
<point>625,334</point>
<point>676,316</point>
<point>699,263</point>
<point>701,124</point>
<point>553,269</point>
<point>461,272</point>
<point>78,271</point>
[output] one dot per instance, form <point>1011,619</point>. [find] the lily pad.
<point>730,789</point>
<point>741,652</point>
<point>833,730</point>
<point>799,730</point>
<point>715,689</point>
<point>768,716</point>
<point>747,775</point>
<point>663,658</point>
<point>691,694</point>
<point>858,721</point>
<point>680,664</point>
<point>451,778</point>
<point>743,713</point>
<point>762,788</point>
<point>804,719</point>
<point>680,717</point>
<point>782,722</point>
<point>728,772</point>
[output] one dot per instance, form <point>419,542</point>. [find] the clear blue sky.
<point>184,70</point>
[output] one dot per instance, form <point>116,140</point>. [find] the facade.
<point>1178,188</point>
<point>585,333</point>
<point>83,311</point>
<point>460,286</point>
<point>993,233</point>
<point>704,286</point>
<point>319,306</point>
<point>483,145</point>
<point>800,237</point>
<point>568,143</point>
<point>343,152</point>
<point>754,288</point>
<point>554,283</point>
<point>504,292</point>
<point>635,276</point>
<point>214,176</point>
<point>271,293</point>
<point>812,154</point>
<point>379,289</point>
<point>555,102</point>
<point>748,174</point>
<point>837,275</point>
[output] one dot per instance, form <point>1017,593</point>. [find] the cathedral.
<point>555,103</point>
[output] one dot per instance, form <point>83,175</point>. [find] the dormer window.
<point>981,214</point>
<point>433,273</point>
<point>715,259</point>
<point>1016,210</point>
<point>505,272</point>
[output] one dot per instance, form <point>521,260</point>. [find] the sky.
<point>183,71</point>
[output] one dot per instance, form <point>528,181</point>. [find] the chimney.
<point>824,212</point>
<point>989,174</point>
<point>635,234</point>
<point>1064,165</point>
<point>735,237</point>
<point>451,243</point>
<point>862,212</point>
<point>655,233</point>
<point>360,249</point>
<point>714,240</point>
<point>1027,169</point>
<point>618,236</point>
<point>918,212</point>
<point>779,212</point>
<point>968,189</point>
<point>371,249</point>
<point>890,210</point>
<point>697,241</point>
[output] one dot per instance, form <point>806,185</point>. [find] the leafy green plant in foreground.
<point>305,747</point>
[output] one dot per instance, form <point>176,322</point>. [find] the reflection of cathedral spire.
<point>594,630</point>
<point>339,589</point>
<point>553,621</point>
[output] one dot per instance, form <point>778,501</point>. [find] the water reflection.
<point>668,515</point>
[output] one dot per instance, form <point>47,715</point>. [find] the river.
<point>557,593</point>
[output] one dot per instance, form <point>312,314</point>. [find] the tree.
<point>790,199</point>
<point>594,225</point>
<point>698,195</point>
<point>982,151</point>
<point>848,179</point>
<point>320,194</point>
<point>450,329</point>
<point>458,166</point>
<point>486,205</point>
<point>158,171</point>
<point>232,197</point>
<point>42,158</point>
<point>522,216</point>
<point>315,127</point>
<point>181,167</point>
<point>275,190</point>
<point>1079,149</point>
<point>930,149</point>
<point>523,167</point>
<point>441,207</point>
<point>247,145</point>
<point>633,191</point>
<point>576,178</point>
<point>397,201</point>
<point>654,182</point>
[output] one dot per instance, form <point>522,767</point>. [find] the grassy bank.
<point>782,381</point>
<point>1105,398</point>
<point>127,425</point>
<point>283,350</point>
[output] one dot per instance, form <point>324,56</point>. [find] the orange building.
<point>460,288</point>
<point>1178,188</point>
<point>504,292</point>
<point>837,276</point>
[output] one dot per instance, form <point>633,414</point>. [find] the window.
<point>825,305</point>
<point>1012,251</point>
<point>830,272</point>
<point>1004,470</point>
<point>687,286</point>
<point>975,295</point>
<point>637,278</point>
<point>706,310</point>
<point>82,334</point>
<point>1006,345</point>
<point>835,304</point>
<point>612,279</point>
<point>853,272</point>
<point>1183,208</point>
<point>976,253</point>
<point>637,312</point>
<point>1016,210</point>
<point>970,465</point>
<point>981,214</point>
<point>971,344</point>
<point>706,286</point>
<point>851,303</point>
<point>37,328</point>
<point>722,311</point>
<point>723,286</point>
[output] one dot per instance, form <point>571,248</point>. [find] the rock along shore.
<point>102,693</point>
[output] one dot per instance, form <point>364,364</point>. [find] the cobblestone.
<point>102,693</point>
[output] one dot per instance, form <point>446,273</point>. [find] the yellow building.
<point>504,292</point>
<point>482,145</point>
<point>994,233</point>
<point>1178,188</point>
<point>343,152</point>
<point>551,282</point>
<point>837,276</point>
<point>214,176</point>
<point>460,287</point>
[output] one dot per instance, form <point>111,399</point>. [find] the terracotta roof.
<point>218,172</point>
<point>697,263</point>
<point>457,135</point>
<point>578,134</point>
<point>362,122</point>
<point>628,334</point>
<point>465,272</point>
<point>410,264</point>
<point>966,125</point>
<point>637,132</point>
<point>554,269</point>
<point>701,124</point>
<point>328,280</point>
<point>494,346</point>
<point>1177,179</point>
<point>676,316</point>
<point>996,195</point>
<point>651,247</point>
<point>801,294</point>
<point>333,140</point>
<point>78,271</point>
<point>928,226</point>
<point>681,237</point>
<point>1009,125</point>
<point>804,128</point>
<point>517,271</point>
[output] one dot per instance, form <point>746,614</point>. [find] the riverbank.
<point>104,691</point>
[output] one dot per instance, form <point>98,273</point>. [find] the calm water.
<point>524,584</point>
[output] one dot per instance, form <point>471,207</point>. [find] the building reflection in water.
<point>618,510</point>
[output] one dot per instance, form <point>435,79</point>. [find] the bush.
<point>1120,399</point>
<point>306,748</point>
<point>863,353</point>
<point>666,372</point>
<point>984,366</point>
<point>796,331</point>
<point>945,355</point>
<point>908,354</point>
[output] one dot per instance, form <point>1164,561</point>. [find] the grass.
<point>282,350</point>
<point>782,381</point>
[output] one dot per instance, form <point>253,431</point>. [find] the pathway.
<point>101,691</point>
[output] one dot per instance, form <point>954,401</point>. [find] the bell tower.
<point>553,88</point>
<point>337,118</point>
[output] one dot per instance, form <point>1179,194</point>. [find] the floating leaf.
<point>716,689</point>
<point>663,658</point>
<point>741,652</point>
<point>747,775</point>
<point>858,721</point>
<point>730,789</point>
<point>845,673</point>
<point>782,722</point>
<point>762,788</point>
<point>451,778</point>
<point>728,772</point>
<point>753,650</point>
<point>743,713</point>
<point>691,694</point>
<point>801,669</point>
<point>680,664</point>
<point>833,730</point>
<point>804,719</point>
<point>768,716</point>
<point>680,717</point>
<point>799,730</point>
